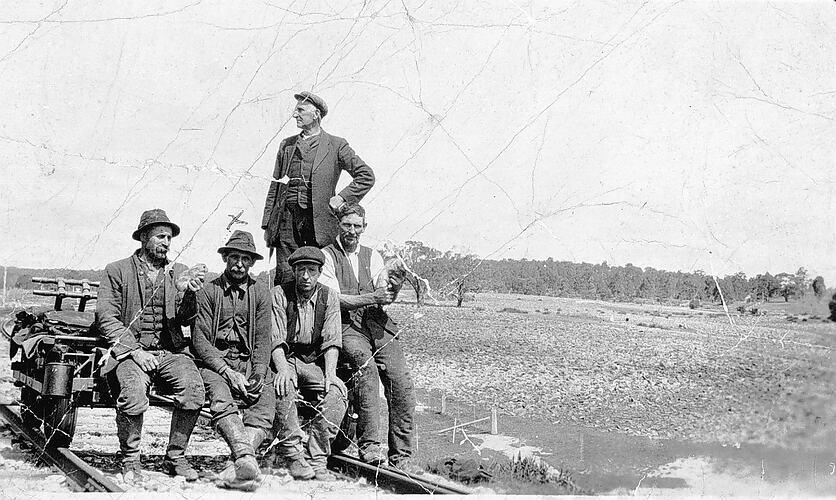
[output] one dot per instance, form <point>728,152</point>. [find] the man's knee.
<point>131,384</point>
<point>334,405</point>
<point>132,399</point>
<point>357,354</point>
<point>191,395</point>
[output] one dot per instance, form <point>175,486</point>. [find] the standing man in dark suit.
<point>301,198</point>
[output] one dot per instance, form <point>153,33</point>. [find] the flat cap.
<point>153,217</point>
<point>314,99</point>
<point>306,254</point>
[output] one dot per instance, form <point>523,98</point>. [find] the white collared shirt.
<point>329,272</point>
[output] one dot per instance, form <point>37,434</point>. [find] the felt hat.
<point>153,217</point>
<point>314,99</point>
<point>241,241</point>
<point>306,254</point>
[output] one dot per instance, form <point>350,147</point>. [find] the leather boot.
<point>182,424</point>
<point>257,436</point>
<point>247,473</point>
<point>129,432</point>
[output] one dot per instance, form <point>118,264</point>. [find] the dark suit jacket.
<point>333,154</point>
<point>120,300</point>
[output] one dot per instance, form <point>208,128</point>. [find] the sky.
<point>676,135</point>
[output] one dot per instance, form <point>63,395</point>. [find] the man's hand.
<point>196,284</point>
<point>283,381</point>
<point>237,381</point>
<point>331,378</point>
<point>147,361</point>
<point>336,202</point>
<point>383,296</point>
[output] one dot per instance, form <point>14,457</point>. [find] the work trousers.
<point>327,410</point>
<point>176,374</point>
<point>388,367</point>
<point>222,404</point>
<point>296,229</point>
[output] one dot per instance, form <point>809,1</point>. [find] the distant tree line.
<point>455,275</point>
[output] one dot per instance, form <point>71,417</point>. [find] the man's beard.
<point>350,243</point>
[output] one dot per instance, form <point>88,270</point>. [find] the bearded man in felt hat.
<point>301,198</point>
<point>232,342</point>
<point>144,303</point>
<point>306,343</point>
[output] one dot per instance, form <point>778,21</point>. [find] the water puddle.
<point>612,463</point>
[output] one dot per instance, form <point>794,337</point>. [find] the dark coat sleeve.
<point>263,329</point>
<point>109,312</point>
<point>203,334</point>
<point>272,192</point>
<point>361,174</point>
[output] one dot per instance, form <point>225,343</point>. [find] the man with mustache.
<point>370,342</point>
<point>232,341</point>
<point>144,302</point>
<point>306,345</point>
<point>301,198</point>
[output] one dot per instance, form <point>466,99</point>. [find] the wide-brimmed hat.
<point>152,217</point>
<point>306,254</point>
<point>314,99</point>
<point>241,241</point>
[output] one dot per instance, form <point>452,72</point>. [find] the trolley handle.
<point>60,293</point>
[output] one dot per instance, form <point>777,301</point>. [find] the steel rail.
<point>79,473</point>
<point>391,478</point>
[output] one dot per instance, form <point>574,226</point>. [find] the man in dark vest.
<point>232,342</point>
<point>301,198</point>
<point>306,344</point>
<point>144,303</point>
<point>370,341</point>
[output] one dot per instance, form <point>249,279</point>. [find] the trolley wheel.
<point>29,408</point>
<point>59,421</point>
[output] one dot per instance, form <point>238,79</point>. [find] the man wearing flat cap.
<point>301,198</point>
<point>306,342</point>
<point>144,302</point>
<point>232,341</point>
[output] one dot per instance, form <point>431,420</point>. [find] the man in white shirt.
<point>370,342</point>
<point>306,344</point>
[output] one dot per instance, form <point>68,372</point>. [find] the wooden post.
<point>443,403</point>
<point>455,426</point>
<point>494,421</point>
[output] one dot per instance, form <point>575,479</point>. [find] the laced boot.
<point>247,474</point>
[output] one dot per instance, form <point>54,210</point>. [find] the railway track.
<point>83,477</point>
<point>389,478</point>
<point>79,474</point>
